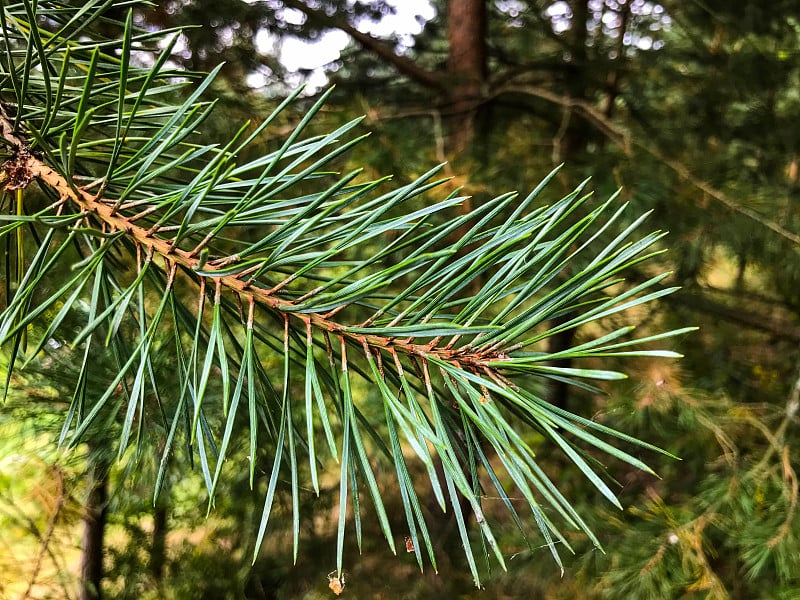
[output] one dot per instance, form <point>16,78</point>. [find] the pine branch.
<point>373,283</point>
<point>24,167</point>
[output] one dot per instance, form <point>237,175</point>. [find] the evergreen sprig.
<point>154,241</point>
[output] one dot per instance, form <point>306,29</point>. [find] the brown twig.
<point>29,167</point>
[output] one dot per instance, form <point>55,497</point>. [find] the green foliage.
<point>316,315</point>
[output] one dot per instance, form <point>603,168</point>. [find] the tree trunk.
<point>158,548</point>
<point>573,142</point>
<point>558,391</point>
<point>615,75</point>
<point>578,131</point>
<point>467,70</point>
<point>94,524</point>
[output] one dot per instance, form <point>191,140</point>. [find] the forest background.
<point>691,108</point>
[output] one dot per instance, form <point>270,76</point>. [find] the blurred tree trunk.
<point>158,549</point>
<point>574,141</point>
<point>467,69</point>
<point>578,130</point>
<point>558,391</point>
<point>94,524</point>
